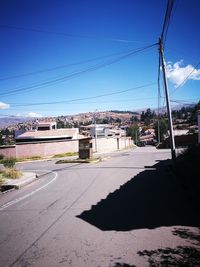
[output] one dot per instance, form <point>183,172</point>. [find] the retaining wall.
<point>41,149</point>
<point>47,148</point>
<point>112,144</point>
<point>8,151</point>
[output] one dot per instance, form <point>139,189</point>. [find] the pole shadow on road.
<point>149,200</point>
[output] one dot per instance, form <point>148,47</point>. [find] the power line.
<point>70,35</point>
<point>81,103</point>
<point>186,102</point>
<point>85,98</point>
<point>185,79</point>
<point>166,21</point>
<point>76,74</point>
<point>62,66</point>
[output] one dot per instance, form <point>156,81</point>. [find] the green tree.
<point>194,113</point>
<point>118,120</point>
<point>163,127</point>
<point>9,162</point>
<point>134,119</point>
<point>133,132</point>
<point>60,124</point>
<point>147,116</point>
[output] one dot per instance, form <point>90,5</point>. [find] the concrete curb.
<point>27,178</point>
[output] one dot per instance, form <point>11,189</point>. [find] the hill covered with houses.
<point>136,124</point>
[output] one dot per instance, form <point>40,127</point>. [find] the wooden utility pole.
<point>171,136</point>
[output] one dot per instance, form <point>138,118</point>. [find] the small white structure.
<point>47,131</point>
<point>103,130</point>
<point>45,126</point>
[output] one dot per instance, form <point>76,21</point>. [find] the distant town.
<point>143,127</point>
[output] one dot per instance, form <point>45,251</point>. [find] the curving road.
<point>105,214</point>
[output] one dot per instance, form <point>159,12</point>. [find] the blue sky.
<point>76,51</point>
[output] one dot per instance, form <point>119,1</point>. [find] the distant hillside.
<point>124,112</point>
<point>88,117</point>
<point>9,121</point>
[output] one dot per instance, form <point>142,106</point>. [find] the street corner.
<point>25,179</point>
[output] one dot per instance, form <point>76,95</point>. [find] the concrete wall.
<point>8,151</point>
<point>44,149</point>
<point>181,141</point>
<point>41,149</point>
<point>112,144</point>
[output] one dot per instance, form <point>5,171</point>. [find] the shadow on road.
<point>149,200</point>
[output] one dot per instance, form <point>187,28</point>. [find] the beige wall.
<point>8,151</point>
<point>112,144</point>
<point>44,149</point>
<point>41,149</point>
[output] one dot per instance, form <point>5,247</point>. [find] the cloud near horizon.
<point>4,105</point>
<point>177,74</point>
<point>33,115</point>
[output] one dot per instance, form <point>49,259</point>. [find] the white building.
<point>103,130</point>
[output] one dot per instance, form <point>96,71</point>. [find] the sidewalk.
<point>27,178</point>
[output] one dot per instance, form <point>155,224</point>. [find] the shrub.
<point>28,158</point>
<point>11,173</point>
<point>9,163</point>
<point>1,156</point>
<point>2,178</point>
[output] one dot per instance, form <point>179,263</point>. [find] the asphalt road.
<point>123,211</point>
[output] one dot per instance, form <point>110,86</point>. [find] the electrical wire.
<point>62,66</point>
<point>186,78</point>
<point>166,21</point>
<point>82,103</point>
<point>85,98</point>
<point>186,102</point>
<point>76,74</point>
<point>164,32</point>
<point>70,35</point>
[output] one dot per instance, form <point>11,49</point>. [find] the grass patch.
<point>67,154</point>
<point>2,178</point>
<point>92,160</point>
<point>28,158</point>
<point>9,162</point>
<point>10,173</point>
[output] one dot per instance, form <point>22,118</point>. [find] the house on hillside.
<point>183,138</point>
<point>148,137</point>
<point>47,131</point>
<point>102,130</point>
<point>46,140</point>
<point>44,126</point>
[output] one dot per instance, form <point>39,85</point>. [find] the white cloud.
<point>4,105</point>
<point>180,75</point>
<point>33,115</point>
